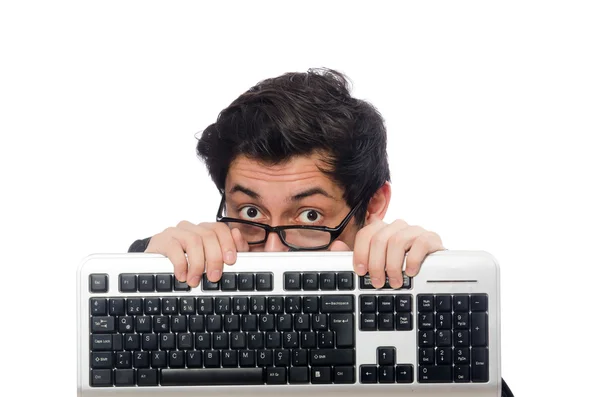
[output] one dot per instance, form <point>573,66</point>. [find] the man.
<point>297,150</point>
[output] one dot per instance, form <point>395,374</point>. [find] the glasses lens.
<point>306,238</point>
<point>252,234</point>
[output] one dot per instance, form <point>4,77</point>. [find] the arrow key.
<point>368,374</point>
<point>404,373</point>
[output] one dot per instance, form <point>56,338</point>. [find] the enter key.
<point>342,324</point>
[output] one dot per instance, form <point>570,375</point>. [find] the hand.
<point>211,243</point>
<point>380,248</point>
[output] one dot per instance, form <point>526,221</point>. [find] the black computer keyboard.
<point>288,323</point>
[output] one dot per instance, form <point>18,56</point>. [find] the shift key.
<point>322,357</point>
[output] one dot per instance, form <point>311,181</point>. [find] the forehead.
<point>284,179</point>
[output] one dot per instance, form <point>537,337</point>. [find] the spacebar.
<point>212,376</point>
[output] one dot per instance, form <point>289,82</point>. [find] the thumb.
<point>339,246</point>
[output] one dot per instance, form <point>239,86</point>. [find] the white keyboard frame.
<point>444,272</point>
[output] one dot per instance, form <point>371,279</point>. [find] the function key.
<point>310,281</point>
<point>208,285</point>
<point>164,282</point>
<point>443,303</point>
<point>327,280</point>
<point>98,283</point>
<point>146,283</point>
<point>461,303</point>
<point>180,285</point>
<point>229,282</point>
<point>425,303</point>
<point>128,283</point>
<point>345,280</point>
<point>264,281</point>
<point>479,303</point>
<point>291,281</point>
<point>246,281</point>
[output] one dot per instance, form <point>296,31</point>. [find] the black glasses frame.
<point>334,232</point>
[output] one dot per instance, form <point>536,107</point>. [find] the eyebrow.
<point>297,197</point>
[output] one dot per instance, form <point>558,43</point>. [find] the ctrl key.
<point>101,377</point>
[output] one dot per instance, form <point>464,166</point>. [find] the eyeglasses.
<point>295,237</point>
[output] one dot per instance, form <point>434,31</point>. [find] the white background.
<point>493,118</point>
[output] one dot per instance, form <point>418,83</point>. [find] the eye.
<point>310,216</point>
<point>249,213</point>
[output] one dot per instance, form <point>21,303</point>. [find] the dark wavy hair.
<point>301,114</point>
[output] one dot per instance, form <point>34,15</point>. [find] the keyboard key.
<point>98,307</point>
<point>403,321</point>
<point>368,374</point>
<point>164,282</point>
<point>345,281</point>
<point>101,342</point>
<point>461,303</point>
<point>386,356</point>
<point>102,360</point>
<point>101,377</point>
<point>180,285</point>
<point>386,374</point>
<point>343,326</point>
<point>276,376</point>
<point>246,282</point>
<point>403,303</point>
<point>331,357</point>
<point>337,304</point>
<point>264,281</point>
<point>124,377</point>
<point>146,283</point>
<point>320,375</point>
<point>343,374</point>
<point>368,303</point>
<point>103,324</point>
<point>291,281</point>
<point>98,283</point>
<point>479,303</point>
<point>479,364</point>
<point>368,322</point>
<point>404,373</point>
<point>435,373</point>
<point>299,375</point>
<point>479,329</point>
<point>229,282</point>
<point>327,281</point>
<point>147,377</point>
<point>310,281</point>
<point>425,303</point>
<point>443,303</point>
<point>208,285</point>
<point>212,376</point>
<point>128,283</point>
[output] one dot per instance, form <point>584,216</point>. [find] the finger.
<point>339,245</point>
<point>214,257</point>
<point>172,249</point>
<point>193,244</point>
<point>422,245</point>
<point>241,244</point>
<point>378,252</point>
<point>228,245</point>
<point>362,244</point>
<point>394,263</point>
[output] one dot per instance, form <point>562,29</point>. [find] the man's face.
<point>292,193</point>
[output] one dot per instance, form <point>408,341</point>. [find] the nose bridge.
<point>274,244</point>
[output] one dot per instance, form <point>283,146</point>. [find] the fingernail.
<point>182,277</point>
<point>393,280</point>
<point>195,280</point>
<point>374,281</point>
<point>361,269</point>
<point>229,257</point>
<point>215,275</point>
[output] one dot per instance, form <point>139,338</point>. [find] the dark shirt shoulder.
<point>139,245</point>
